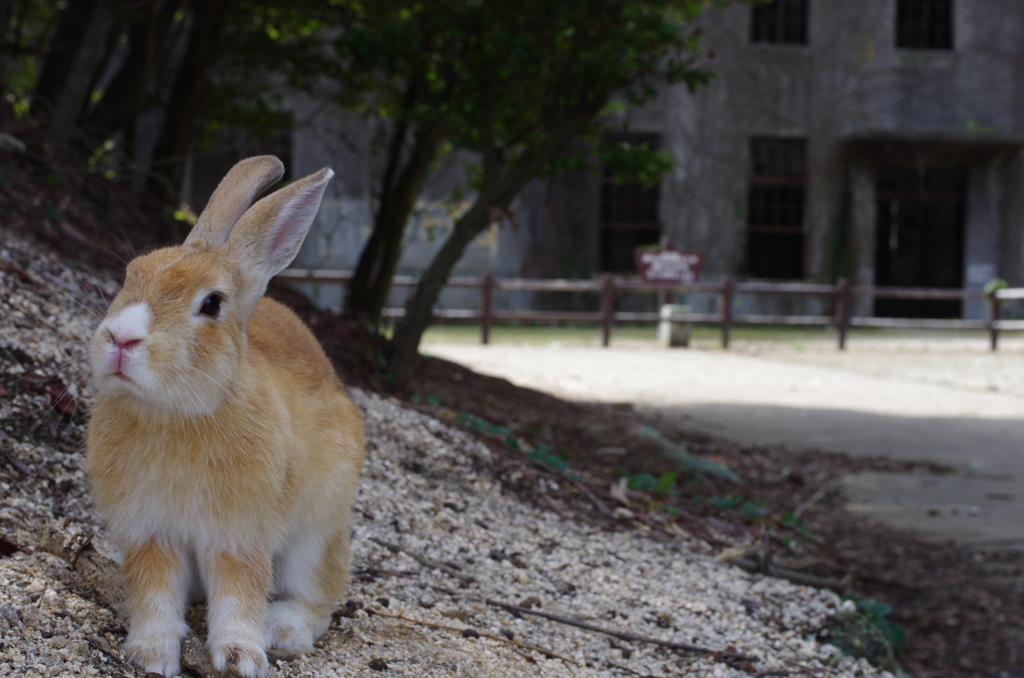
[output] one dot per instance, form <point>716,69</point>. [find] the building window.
<point>780,21</point>
<point>629,212</point>
<point>775,208</point>
<point>924,24</point>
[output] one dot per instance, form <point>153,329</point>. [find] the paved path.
<point>754,399</point>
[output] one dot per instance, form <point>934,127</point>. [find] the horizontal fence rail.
<point>842,294</point>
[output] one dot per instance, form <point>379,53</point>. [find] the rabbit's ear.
<point>232,198</point>
<point>268,236</point>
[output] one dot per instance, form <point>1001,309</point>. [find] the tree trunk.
<point>208,18</point>
<point>5,44</point>
<point>61,55</point>
<point>371,283</point>
<point>72,96</point>
<point>419,311</point>
<point>126,96</point>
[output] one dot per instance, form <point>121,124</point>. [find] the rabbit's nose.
<point>124,338</point>
<point>126,344</point>
<point>119,358</point>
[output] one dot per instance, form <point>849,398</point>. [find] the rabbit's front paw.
<point>287,627</point>
<point>155,654</point>
<point>239,657</point>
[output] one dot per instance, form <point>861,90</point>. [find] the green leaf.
<point>665,482</point>
<point>548,459</point>
<point>995,284</point>
<point>680,455</point>
<point>854,632</point>
<point>751,511</point>
<point>641,481</point>
<point>727,503</point>
<point>814,534</point>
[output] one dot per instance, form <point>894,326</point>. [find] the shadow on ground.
<point>980,503</point>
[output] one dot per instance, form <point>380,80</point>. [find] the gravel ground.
<point>426,488</point>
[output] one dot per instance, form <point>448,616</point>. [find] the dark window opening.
<point>924,24</point>
<point>629,213</point>
<point>781,21</point>
<point>919,238</point>
<point>775,208</point>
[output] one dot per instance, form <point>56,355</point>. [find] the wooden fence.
<point>842,293</point>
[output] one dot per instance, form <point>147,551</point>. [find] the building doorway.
<point>920,237</point>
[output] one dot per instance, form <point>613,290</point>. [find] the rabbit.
<point>222,450</point>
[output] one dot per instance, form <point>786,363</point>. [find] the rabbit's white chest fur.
<point>189,509</point>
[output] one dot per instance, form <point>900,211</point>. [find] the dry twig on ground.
<point>623,635</point>
<point>434,625</point>
<point>423,560</point>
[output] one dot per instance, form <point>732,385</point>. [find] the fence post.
<point>727,292</point>
<point>607,308</point>
<point>486,314</point>
<point>993,319</point>
<point>842,310</point>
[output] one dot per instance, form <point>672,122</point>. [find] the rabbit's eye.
<point>211,306</point>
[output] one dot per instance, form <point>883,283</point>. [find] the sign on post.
<point>668,265</point>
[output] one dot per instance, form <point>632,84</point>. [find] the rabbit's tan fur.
<point>223,451</point>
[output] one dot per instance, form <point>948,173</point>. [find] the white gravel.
<point>426,487</point>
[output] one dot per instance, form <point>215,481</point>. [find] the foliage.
<point>515,82</point>
<point>662,485</point>
<point>23,46</point>
<point>493,72</point>
<point>618,158</point>
<point>867,633</point>
<point>876,613</point>
<point>542,453</point>
<point>268,49</point>
<point>680,455</point>
<point>995,284</point>
<point>21,80</point>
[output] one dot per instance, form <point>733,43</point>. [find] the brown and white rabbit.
<point>222,449</point>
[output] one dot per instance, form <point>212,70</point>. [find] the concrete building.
<point>901,122</point>
<point>876,139</point>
